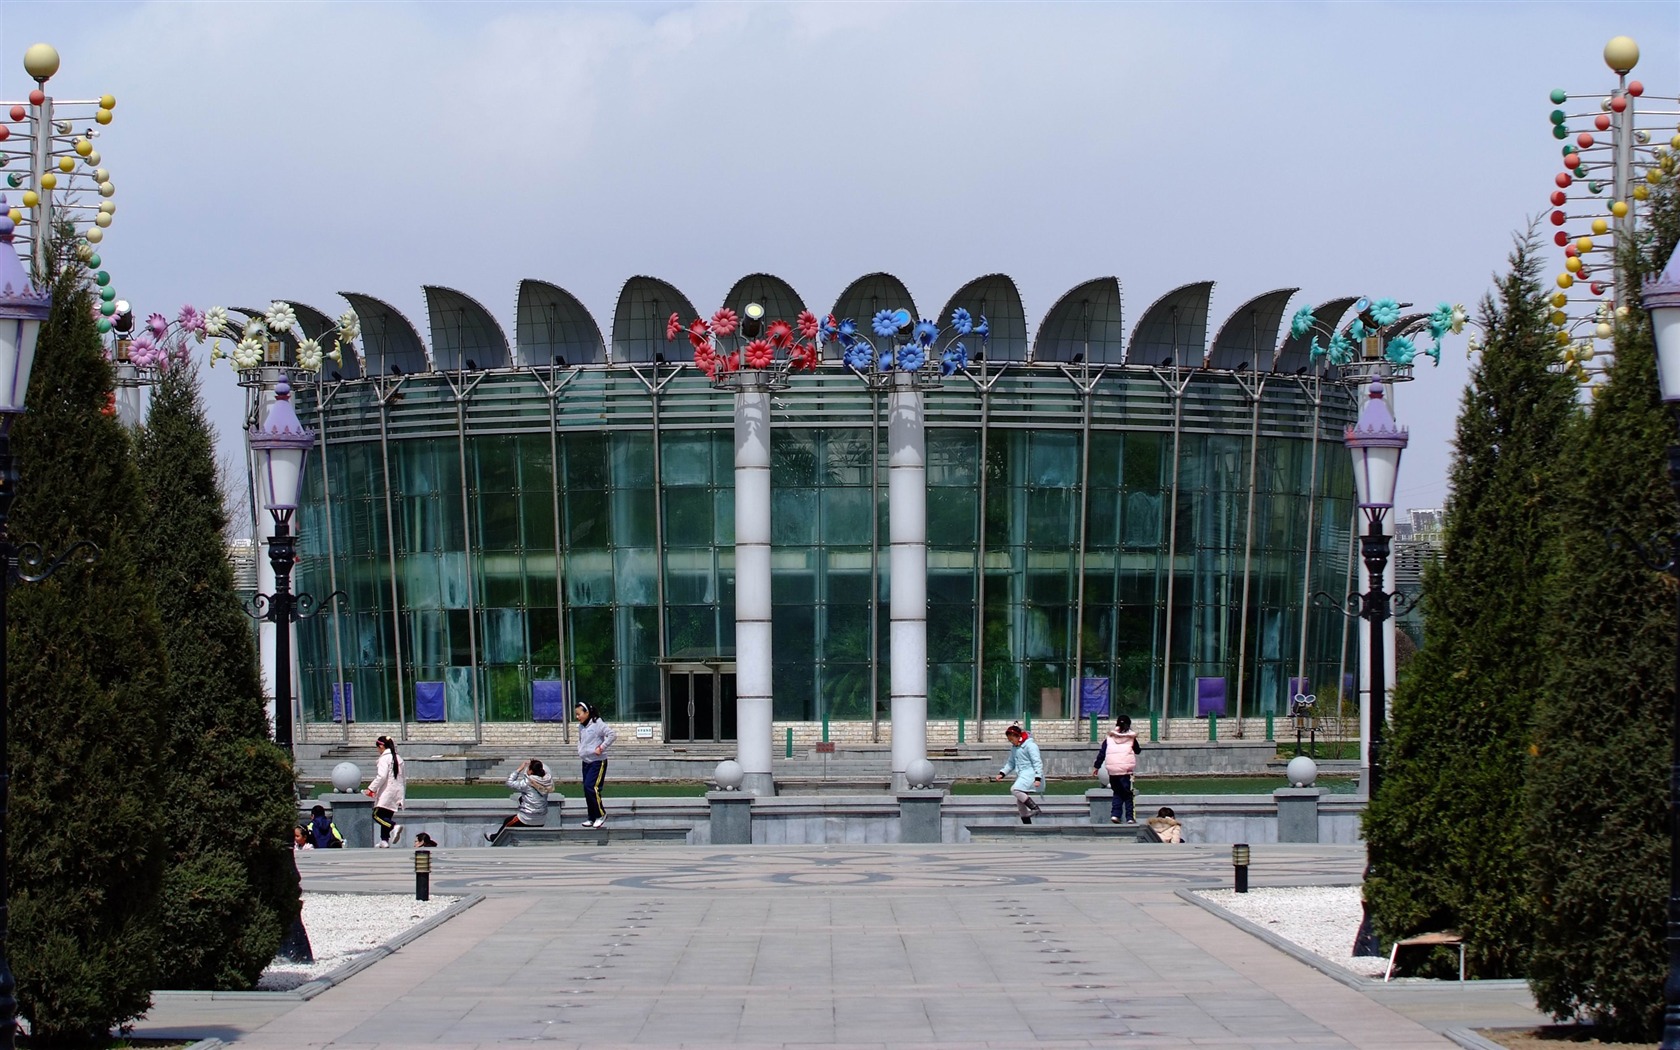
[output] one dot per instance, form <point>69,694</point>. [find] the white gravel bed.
<point>342,926</point>
<point>1322,919</point>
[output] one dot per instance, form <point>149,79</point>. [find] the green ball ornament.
<point>102,278</point>
<point>1567,150</point>
<point>1595,187</point>
<point>13,181</point>
<point>1560,132</point>
<point>93,261</point>
<point>1559,116</point>
<point>104,325</point>
<point>1559,96</point>
<point>108,309</point>
<point>108,294</point>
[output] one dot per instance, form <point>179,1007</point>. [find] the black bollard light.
<point>1239,866</point>
<point>422,874</point>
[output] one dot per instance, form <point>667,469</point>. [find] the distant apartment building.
<point>242,555</point>
<point>1417,542</point>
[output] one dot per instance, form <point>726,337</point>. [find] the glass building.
<point>1153,508</point>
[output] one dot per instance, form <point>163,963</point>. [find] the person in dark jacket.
<point>323,833</point>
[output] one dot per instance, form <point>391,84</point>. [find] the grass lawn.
<point>1262,785</point>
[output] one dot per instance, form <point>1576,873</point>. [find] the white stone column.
<point>753,707</point>
<point>907,535</point>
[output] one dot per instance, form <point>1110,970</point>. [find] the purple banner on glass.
<point>344,701</point>
<point>548,701</point>
<point>1210,697</point>
<point>428,702</point>
<point>1093,697</point>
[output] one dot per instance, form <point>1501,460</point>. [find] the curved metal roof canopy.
<point>321,328</point>
<point>769,291</point>
<point>392,345</point>
<point>553,326</point>
<point>464,335</point>
<point>864,298</point>
<point>1296,355</point>
<point>1249,337</point>
<point>995,297</point>
<point>638,331</point>
<point>1174,330</point>
<point>1084,325</point>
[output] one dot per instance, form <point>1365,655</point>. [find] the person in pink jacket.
<point>1119,752</point>
<point>388,791</point>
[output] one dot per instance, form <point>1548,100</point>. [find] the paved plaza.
<point>983,945</point>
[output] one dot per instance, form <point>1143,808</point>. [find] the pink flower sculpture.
<point>159,325</point>
<point>673,327</point>
<point>706,361</point>
<point>725,321</point>
<point>759,353</point>
<point>732,363</point>
<point>803,356</point>
<point>780,334</point>
<point>190,319</point>
<point>698,334</point>
<point>808,324</point>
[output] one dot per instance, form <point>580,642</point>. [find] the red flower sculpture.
<point>759,353</point>
<point>803,356</point>
<point>732,363</point>
<point>699,334</point>
<point>706,361</point>
<point>808,324</point>
<point>725,321</point>
<point>672,327</point>
<point>780,334</point>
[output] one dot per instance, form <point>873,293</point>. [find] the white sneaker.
<point>587,824</point>
<point>381,844</point>
<point>600,822</point>
<point>396,833</point>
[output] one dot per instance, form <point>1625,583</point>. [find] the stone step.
<point>1018,832</point>
<point>518,836</point>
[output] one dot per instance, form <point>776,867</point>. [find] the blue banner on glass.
<point>1210,697</point>
<point>344,701</point>
<point>548,701</point>
<point>1093,697</point>
<point>428,702</point>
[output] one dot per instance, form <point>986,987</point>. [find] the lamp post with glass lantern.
<point>1376,442</point>
<point>280,450</point>
<point>1661,296</point>
<point>23,309</point>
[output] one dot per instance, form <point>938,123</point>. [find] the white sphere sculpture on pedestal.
<point>1102,776</point>
<point>346,777</point>
<point>1301,771</point>
<point>729,775</point>
<point>919,773</point>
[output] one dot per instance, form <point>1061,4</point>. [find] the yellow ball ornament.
<point>49,181</point>
<point>1653,175</point>
<point>1559,318</point>
<point>31,198</point>
<point>102,220</point>
<point>106,189</point>
<point>1562,338</point>
<point>1600,227</point>
<point>1565,280</point>
<point>1641,193</point>
<point>66,165</point>
<point>95,235</point>
<point>83,147</point>
<point>1583,244</point>
<point>14,214</point>
<point>1619,209</point>
<point>102,116</point>
<point>107,102</point>
<point>1560,300</point>
<point>1675,142</point>
<point>1572,264</point>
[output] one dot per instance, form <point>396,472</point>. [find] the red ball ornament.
<point>1597,288</point>
<point>1572,161</point>
<point>37,97</point>
<point>1583,273</point>
<point>1558,218</point>
<point>1561,239</point>
<point>1619,103</point>
<point>1584,140</point>
<point>5,133</point>
<point>1563,180</point>
<point>1571,251</point>
<point>1558,197</point>
<point>1602,122</point>
<point>17,112</point>
<point>1635,88</point>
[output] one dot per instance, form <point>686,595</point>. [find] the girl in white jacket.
<point>388,791</point>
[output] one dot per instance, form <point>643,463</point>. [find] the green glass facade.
<point>516,525</point>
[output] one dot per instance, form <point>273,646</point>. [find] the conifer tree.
<point>1446,830</point>
<point>86,672</point>
<point>231,888</point>
<point>1598,782</point>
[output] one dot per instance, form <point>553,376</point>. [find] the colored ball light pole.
<point>1376,443</point>
<point>1661,297</point>
<point>280,449</point>
<point>23,309</point>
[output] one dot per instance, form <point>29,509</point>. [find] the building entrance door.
<point>699,703</point>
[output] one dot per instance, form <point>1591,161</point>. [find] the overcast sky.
<point>294,150</point>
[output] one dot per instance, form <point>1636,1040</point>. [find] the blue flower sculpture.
<point>893,350</point>
<point>1400,350</point>
<point>925,333</point>
<point>1385,312</point>
<point>912,357</point>
<point>1301,323</point>
<point>961,322</point>
<point>885,323</point>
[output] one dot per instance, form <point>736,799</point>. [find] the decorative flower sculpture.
<point>260,331</point>
<point>715,342</point>
<point>905,353</point>
<point>162,342</point>
<point>1372,318</point>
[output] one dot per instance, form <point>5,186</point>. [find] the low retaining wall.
<point>845,819</point>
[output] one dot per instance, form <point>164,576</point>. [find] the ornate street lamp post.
<point>280,450</point>
<point>23,308</point>
<point>1376,442</point>
<point>1662,298</point>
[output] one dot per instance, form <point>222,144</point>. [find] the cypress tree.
<point>231,889</point>
<point>1598,782</point>
<point>1446,830</point>
<point>86,675</point>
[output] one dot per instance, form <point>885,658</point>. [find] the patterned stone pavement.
<point>1005,945</point>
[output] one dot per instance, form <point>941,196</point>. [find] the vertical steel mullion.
<point>1248,549</point>
<point>332,569</point>
<point>391,556</point>
<point>980,568</point>
<point>1172,556</point>
<point>467,561</point>
<point>559,577</point>
<point>874,565</point>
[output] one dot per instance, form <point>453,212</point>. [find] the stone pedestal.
<point>731,817</point>
<point>353,813</point>
<point>918,815</point>
<point>1102,804</point>
<point>1297,810</point>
